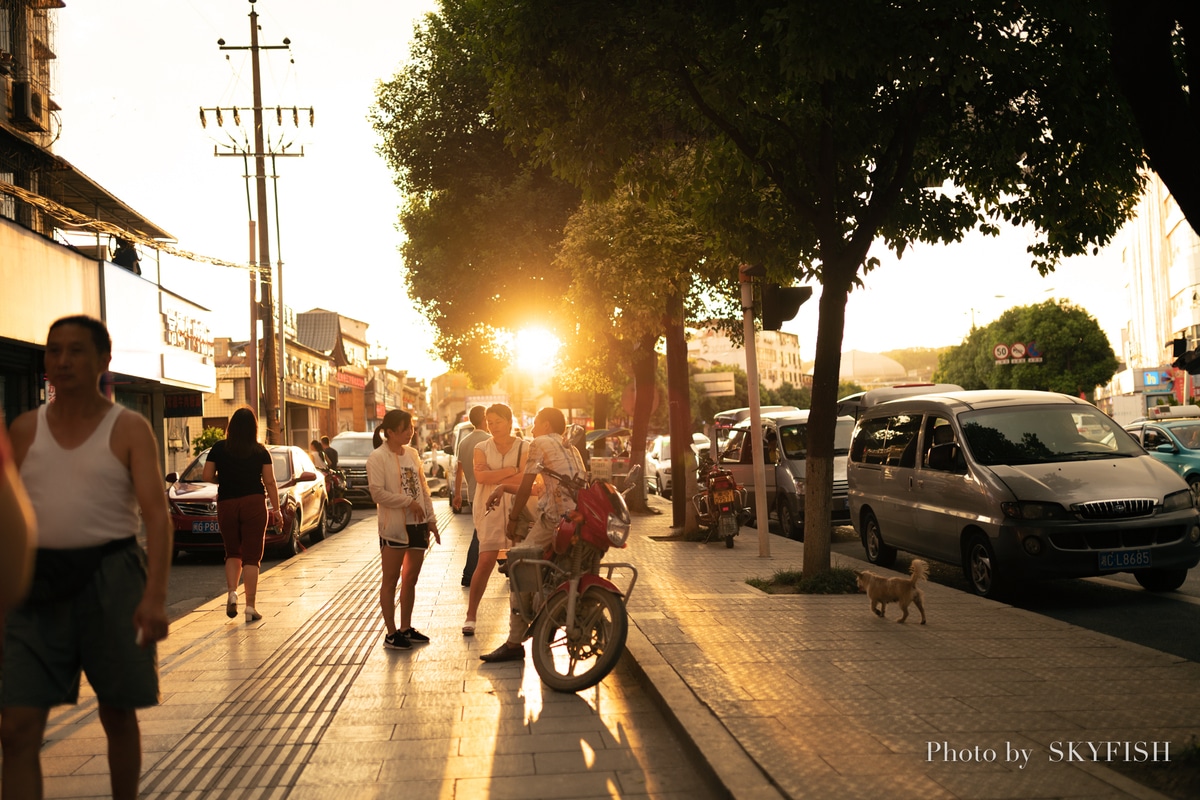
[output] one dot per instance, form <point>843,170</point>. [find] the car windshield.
<point>794,439</point>
<point>356,447</point>
<point>1044,434</point>
<point>279,464</point>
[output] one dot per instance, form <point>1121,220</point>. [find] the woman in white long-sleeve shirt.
<point>398,487</point>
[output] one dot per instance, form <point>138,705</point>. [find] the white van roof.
<point>855,404</point>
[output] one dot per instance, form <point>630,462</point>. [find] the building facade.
<point>778,354</point>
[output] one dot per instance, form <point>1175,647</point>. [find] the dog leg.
<point>919,600</point>
<point>904,608</point>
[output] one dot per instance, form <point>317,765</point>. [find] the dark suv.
<point>353,447</point>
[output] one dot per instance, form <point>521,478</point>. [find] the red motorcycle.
<point>339,511</point>
<point>721,506</point>
<point>577,617</point>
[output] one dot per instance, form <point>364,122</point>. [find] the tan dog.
<point>881,590</point>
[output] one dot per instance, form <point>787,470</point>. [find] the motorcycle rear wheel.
<point>567,664</point>
<point>338,517</point>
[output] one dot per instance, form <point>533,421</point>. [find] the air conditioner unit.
<point>29,110</point>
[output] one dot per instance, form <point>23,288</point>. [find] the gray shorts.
<point>46,647</point>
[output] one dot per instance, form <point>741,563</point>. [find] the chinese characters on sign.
<point>1017,353</point>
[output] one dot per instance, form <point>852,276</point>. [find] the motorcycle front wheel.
<point>568,661</point>
<point>338,517</point>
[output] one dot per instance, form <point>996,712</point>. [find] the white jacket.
<point>397,485</point>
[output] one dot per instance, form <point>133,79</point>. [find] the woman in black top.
<point>241,468</point>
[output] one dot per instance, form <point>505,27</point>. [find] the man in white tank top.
<point>88,466</point>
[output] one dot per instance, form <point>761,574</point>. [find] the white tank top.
<point>84,496</point>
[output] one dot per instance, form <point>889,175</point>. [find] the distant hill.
<point>919,360</point>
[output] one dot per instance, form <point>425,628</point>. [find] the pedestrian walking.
<point>97,603</point>
<point>466,471</point>
<point>401,494</point>
<point>245,478</point>
<point>499,460</point>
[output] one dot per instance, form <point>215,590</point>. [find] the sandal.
<point>469,628</point>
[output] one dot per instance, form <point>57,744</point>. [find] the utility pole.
<point>273,369</point>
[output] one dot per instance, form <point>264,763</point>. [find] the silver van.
<point>785,442</point>
<point>1016,486</point>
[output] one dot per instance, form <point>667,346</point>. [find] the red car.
<point>193,504</point>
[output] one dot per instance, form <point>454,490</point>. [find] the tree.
<point>482,223</point>
<point>1154,66</point>
<point>1076,355</point>
<point>819,127</point>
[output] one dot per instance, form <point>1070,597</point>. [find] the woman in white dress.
<point>498,460</point>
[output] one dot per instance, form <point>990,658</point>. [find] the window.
<point>732,454</point>
<point>891,441</point>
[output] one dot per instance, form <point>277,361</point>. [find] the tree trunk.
<point>600,422</point>
<point>644,367</point>
<point>680,407</point>
<point>822,417</point>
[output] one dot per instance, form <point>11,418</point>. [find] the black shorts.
<point>418,538</point>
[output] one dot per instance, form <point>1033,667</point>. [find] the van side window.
<point>870,442</point>
<point>732,454</point>
<point>938,430</point>
<point>902,431</point>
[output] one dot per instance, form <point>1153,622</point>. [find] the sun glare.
<point>534,349</point>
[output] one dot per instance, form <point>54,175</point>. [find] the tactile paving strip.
<point>263,735</point>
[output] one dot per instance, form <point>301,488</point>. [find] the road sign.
<point>1000,351</point>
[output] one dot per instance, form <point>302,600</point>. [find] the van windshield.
<point>794,438</point>
<point>355,447</point>
<point>1044,434</point>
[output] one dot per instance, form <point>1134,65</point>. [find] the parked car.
<point>193,504</point>
<point>353,448</point>
<point>785,443</point>
<point>657,471</point>
<point>1176,443</point>
<point>1017,486</point>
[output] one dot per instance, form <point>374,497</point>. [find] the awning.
<point>594,435</point>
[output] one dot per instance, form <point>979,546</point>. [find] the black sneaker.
<point>414,635</point>
<point>396,641</point>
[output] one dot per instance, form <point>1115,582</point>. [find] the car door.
<point>885,471</point>
<point>1154,437</point>
<point>310,493</point>
<point>942,495</point>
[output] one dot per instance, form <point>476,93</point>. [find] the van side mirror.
<point>448,449</point>
<point>172,477</point>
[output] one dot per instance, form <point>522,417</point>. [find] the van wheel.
<point>979,567</point>
<point>1161,580</point>
<point>1194,484</point>
<point>877,552</point>
<point>787,521</point>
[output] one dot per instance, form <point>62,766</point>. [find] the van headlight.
<point>1178,501</point>
<point>1034,511</point>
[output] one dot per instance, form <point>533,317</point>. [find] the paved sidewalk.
<point>795,696</point>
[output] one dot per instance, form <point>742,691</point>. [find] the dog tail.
<point>919,571</point>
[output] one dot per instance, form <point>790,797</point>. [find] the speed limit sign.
<point>1000,351</point>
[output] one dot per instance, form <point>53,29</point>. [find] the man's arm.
<point>150,617</point>
<point>18,531</point>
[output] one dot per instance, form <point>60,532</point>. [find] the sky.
<point>132,76</point>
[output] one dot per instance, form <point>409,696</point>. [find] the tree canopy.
<point>1075,355</point>
<point>819,129</point>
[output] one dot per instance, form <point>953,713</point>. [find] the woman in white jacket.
<point>398,487</point>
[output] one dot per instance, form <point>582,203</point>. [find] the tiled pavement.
<point>784,696</point>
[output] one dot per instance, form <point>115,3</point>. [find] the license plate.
<point>1124,559</point>
<point>205,526</point>
<point>723,496</point>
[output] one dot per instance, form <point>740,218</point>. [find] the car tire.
<point>788,525</point>
<point>317,534</point>
<point>980,569</point>
<point>1193,483</point>
<point>1161,580</point>
<point>878,553</point>
<point>664,493</point>
<point>292,546</point>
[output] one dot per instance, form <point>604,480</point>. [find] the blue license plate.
<point>1124,559</point>
<point>205,526</point>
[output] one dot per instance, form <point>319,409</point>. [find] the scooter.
<point>721,506</point>
<point>577,617</point>
<point>339,510</point>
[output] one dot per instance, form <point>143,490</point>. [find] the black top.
<point>330,456</point>
<point>239,477</point>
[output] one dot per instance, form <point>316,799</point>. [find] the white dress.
<point>490,526</point>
